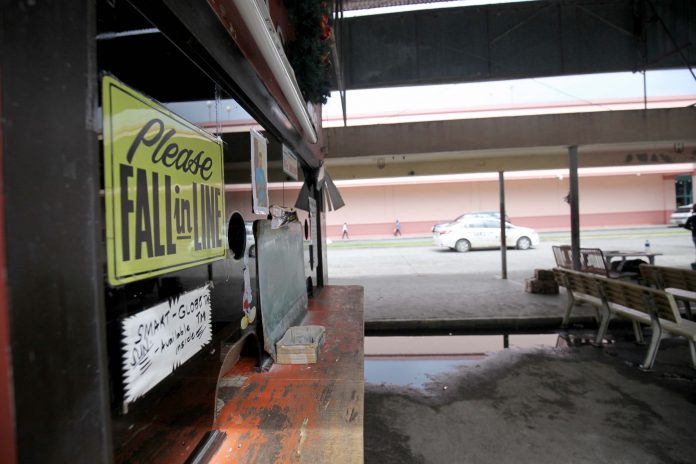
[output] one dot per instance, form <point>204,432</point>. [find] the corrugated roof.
<point>367,4</point>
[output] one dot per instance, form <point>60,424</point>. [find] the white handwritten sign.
<point>158,340</point>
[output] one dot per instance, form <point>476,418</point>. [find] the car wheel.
<point>523,243</point>
<point>462,245</point>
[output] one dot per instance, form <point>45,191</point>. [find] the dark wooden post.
<point>574,205</point>
<point>503,238</point>
<point>54,252</point>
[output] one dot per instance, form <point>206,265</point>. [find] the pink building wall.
<point>609,197</point>
<point>605,201</point>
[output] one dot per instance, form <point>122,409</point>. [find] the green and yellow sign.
<point>164,188</point>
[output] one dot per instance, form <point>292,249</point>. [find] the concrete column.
<point>573,198</point>
<point>503,241</point>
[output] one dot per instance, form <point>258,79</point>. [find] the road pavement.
<point>408,283</point>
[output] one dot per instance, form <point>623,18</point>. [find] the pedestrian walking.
<point>397,229</point>
<point>345,231</point>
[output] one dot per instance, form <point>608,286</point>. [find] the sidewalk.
<point>440,305</point>
<point>435,289</point>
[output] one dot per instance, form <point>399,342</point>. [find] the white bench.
<point>642,305</point>
<point>580,288</point>
<point>592,260</point>
<point>679,282</point>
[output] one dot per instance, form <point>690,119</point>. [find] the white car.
<point>679,217</point>
<point>250,241</point>
<point>484,233</point>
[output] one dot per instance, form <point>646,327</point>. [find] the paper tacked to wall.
<point>158,340</point>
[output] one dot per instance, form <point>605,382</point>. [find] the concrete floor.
<point>570,404</point>
<point>575,404</point>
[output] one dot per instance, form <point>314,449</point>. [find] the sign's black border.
<point>123,279</point>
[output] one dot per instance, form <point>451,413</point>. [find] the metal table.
<point>623,254</point>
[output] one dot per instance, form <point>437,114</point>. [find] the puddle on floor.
<point>415,361</point>
<point>415,372</point>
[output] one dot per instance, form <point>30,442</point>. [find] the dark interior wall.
<point>51,187</point>
<point>322,267</point>
<point>238,159</point>
<point>8,451</point>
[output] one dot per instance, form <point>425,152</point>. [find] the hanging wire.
<point>671,38</point>
<point>513,70</point>
<point>533,79</point>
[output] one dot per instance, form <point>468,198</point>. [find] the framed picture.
<point>290,163</point>
<point>259,173</point>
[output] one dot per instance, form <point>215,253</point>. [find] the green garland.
<point>309,53</point>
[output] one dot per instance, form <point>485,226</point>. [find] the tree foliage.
<point>309,53</point>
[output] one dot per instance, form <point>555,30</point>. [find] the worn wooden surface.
<point>166,425</point>
<point>302,413</point>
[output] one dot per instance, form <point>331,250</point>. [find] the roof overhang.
<point>614,138</point>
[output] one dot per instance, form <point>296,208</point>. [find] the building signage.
<point>164,188</point>
<point>290,163</point>
<point>259,173</point>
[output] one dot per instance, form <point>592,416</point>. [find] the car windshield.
<point>476,216</point>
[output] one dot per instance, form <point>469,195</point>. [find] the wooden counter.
<point>302,413</point>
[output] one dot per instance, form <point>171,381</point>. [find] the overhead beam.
<point>678,124</point>
<point>526,162</point>
<point>614,138</point>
